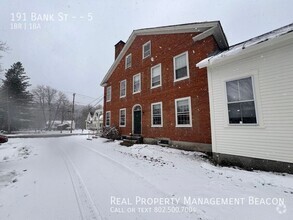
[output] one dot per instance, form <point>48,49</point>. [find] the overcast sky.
<point>74,55</point>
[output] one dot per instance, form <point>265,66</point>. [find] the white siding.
<point>272,138</point>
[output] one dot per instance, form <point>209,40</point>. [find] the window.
<point>108,118</point>
<point>183,112</point>
<point>136,83</point>
<point>146,50</point>
<point>181,67</point>
<point>241,104</point>
<point>122,117</point>
<point>157,114</point>
<point>108,95</point>
<point>128,61</point>
<point>156,75</point>
<point>123,88</point>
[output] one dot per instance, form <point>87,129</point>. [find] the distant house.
<point>94,120</point>
<point>154,89</point>
<point>251,101</point>
<point>61,125</point>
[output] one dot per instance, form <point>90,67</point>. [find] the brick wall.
<point>163,49</point>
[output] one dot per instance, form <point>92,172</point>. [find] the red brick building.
<point>154,88</point>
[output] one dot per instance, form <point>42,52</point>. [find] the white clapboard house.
<point>251,102</point>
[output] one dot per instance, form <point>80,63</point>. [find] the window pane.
<point>157,117</point>
<point>107,118</point>
<point>122,88</point>
<point>122,117</point>
<point>180,73</point>
<point>245,87</point>
<point>182,106</point>
<point>156,76</point>
<point>183,112</point>
<point>248,112</point>
<point>156,81</point>
<point>181,66</point>
<point>180,62</point>
<point>136,85</point>
<point>128,61</point>
<point>108,98</point>
<point>234,113</point>
<point>147,50</point>
<point>183,119</point>
<point>232,91</point>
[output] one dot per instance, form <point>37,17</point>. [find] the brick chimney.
<point>118,47</point>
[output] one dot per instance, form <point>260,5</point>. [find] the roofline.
<point>209,61</point>
<point>179,28</point>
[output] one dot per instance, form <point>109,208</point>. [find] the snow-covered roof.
<point>204,28</point>
<point>237,48</point>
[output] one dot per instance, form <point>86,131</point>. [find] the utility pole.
<point>72,118</point>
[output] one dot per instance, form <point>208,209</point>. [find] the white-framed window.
<point>156,76</point>
<point>136,83</point>
<point>146,50</point>
<point>128,61</point>
<point>241,101</point>
<point>123,88</point>
<point>108,118</point>
<point>157,114</point>
<point>108,95</point>
<point>181,67</point>
<point>183,112</point>
<point>122,117</point>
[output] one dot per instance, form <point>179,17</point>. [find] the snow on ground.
<point>74,178</point>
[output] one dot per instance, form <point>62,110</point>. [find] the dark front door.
<point>137,121</point>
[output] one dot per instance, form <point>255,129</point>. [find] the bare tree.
<point>53,104</point>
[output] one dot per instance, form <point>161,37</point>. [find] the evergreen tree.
<point>16,97</point>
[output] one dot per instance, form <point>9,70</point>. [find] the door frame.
<point>133,118</point>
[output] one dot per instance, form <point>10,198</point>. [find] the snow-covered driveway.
<point>73,178</point>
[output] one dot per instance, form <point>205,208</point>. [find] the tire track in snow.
<point>142,178</point>
<point>87,208</point>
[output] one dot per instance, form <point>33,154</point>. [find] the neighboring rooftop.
<point>237,48</point>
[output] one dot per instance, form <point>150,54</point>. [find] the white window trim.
<point>129,55</point>
<point>125,88</point>
<point>161,125</point>
<point>257,124</point>
<point>139,83</point>
<point>174,66</point>
<point>190,112</point>
<point>109,119</point>
<point>153,87</point>
<point>149,42</point>
<point>122,109</point>
<point>110,96</point>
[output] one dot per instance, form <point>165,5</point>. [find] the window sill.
<point>183,126</point>
<point>177,80</point>
<point>154,87</point>
<point>157,126</point>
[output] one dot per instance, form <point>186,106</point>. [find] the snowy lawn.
<point>74,178</point>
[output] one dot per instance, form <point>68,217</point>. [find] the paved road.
<point>70,178</point>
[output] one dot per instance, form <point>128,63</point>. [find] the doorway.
<point>136,125</point>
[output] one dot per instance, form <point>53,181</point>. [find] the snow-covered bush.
<point>111,133</point>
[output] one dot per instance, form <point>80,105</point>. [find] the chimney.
<point>118,47</point>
